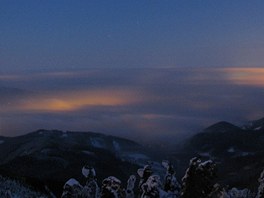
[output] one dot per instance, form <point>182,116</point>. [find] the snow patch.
<point>205,154</point>
<point>97,142</point>
<point>26,152</point>
<point>137,156</point>
<point>64,134</point>
<point>203,164</point>
<point>116,146</point>
<point>244,153</point>
<point>258,128</point>
<point>72,182</point>
<point>244,127</point>
<point>88,152</point>
<point>46,151</point>
<point>234,192</point>
<point>113,179</point>
<point>246,167</point>
<point>231,150</point>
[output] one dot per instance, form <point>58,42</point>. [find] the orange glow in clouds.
<point>246,76</point>
<point>74,100</point>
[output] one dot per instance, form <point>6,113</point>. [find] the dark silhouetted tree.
<point>198,179</point>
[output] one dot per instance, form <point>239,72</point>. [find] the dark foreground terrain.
<point>46,159</point>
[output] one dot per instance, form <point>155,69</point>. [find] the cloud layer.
<point>135,103</point>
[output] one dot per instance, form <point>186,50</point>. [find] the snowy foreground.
<point>198,182</point>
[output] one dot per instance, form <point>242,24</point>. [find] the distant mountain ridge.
<point>221,127</point>
<point>224,135</point>
<point>239,151</point>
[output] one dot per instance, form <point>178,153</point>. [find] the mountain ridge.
<point>237,150</point>
<point>41,154</point>
<point>221,126</point>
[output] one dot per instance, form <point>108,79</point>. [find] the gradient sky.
<point>130,68</point>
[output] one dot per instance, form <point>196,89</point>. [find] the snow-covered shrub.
<point>130,186</point>
<point>72,189</point>
<point>91,188</point>
<point>150,189</point>
<point>144,174</point>
<point>260,193</point>
<point>171,184</point>
<point>89,172</point>
<point>198,182</point>
<point>111,187</point>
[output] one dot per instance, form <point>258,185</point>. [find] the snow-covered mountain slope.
<point>53,156</point>
<point>42,142</point>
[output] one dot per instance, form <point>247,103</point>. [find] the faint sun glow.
<point>75,100</point>
<point>246,76</point>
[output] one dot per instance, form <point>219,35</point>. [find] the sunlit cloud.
<point>246,76</point>
<point>76,100</point>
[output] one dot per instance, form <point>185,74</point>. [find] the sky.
<point>139,69</point>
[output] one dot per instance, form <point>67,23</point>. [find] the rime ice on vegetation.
<point>171,184</point>
<point>198,182</point>
<point>111,187</point>
<point>72,189</point>
<point>130,187</point>
<point>260,193</point>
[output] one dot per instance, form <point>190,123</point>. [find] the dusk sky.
<point>138,69</point>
